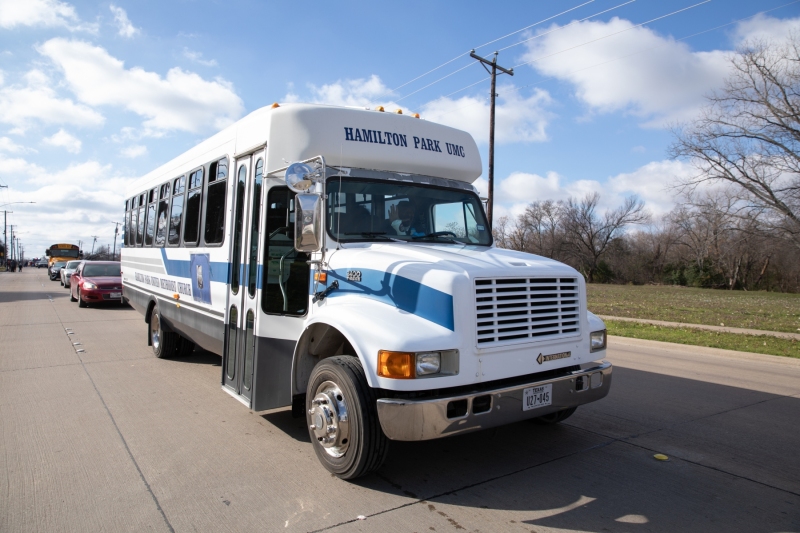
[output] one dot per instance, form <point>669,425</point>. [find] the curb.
<point>721,329</point>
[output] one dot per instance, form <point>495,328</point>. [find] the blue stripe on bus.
<point>180,268</point>
<point>405,294</point>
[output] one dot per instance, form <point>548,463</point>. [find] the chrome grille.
<point>516,310</point>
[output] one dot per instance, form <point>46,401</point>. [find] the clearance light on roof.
<point>276,104</point>
<point>415,115</point>
<point>399,111</point>
<point>379,108</point>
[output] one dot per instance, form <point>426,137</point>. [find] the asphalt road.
<point>113,439</point>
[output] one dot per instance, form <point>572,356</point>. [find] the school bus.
<point>340,262</point>
<point>62,252</point>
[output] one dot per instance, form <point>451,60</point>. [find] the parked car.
<point>96,282</point>
<point>67,271</point>
<point>55,270</point>
<point>42,263</point>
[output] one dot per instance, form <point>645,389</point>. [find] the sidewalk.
<point>721,329</point>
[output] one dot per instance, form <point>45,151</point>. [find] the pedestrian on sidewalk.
<point>20,266</point>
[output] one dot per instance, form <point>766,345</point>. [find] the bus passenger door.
<point>237,366</point>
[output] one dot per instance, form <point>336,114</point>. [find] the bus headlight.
<point>428,363</point>
<point>597,341</point>
<point>410,365</point>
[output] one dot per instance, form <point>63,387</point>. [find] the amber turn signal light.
<point>396,365</point>
<point>320,276</point>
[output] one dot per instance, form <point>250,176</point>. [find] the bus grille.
<point>516,310</point>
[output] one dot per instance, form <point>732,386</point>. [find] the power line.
<point>611,35</point>
<point>551,31</point>
<point>490,42</point>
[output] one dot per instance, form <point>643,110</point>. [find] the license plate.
<point>115,295</point>
<point>535,397</point>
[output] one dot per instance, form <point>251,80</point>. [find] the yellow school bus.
<point>62,252</point>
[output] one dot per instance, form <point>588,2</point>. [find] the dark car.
<point>55,270</point>
<point>96,282</point>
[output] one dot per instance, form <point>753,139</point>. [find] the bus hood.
<point>435,265</point>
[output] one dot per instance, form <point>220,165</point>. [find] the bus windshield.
<point>63,252</point>
<point>361,210</point>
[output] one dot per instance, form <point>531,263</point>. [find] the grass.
<point>712,339</point>
<point>767,311</point>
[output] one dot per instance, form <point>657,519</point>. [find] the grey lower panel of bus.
<point>272,373</point>
<point>205,331</point>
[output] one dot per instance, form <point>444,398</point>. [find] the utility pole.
<point>12,241</point>
<point>493,72</point>
<point>5,235</point>
<point>116,231</point>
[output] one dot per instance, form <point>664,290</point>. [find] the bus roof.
<point>346,137</point>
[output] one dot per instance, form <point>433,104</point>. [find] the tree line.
<point>737,220</point>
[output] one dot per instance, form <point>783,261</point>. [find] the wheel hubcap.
<point>155,329</point>
<point>330,423</point>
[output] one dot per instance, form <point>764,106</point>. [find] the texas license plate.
<point>535,397</point>
<point>115,295</point>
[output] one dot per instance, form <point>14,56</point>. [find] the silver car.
<point>67,271</point>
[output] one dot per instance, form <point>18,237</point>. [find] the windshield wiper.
<point>376,234</point>
<point>436,235</point>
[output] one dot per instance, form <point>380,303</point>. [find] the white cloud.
<point>197,57</point>
<point>124,25</point>
<point>37,101</point>
<point>9,146</point>
<point>653,183</point>
<point>519,118</point>
<point>665,83</point>
<point>350,93</point>
<point>180,101</point>
<point>63,139</point>
<point>766,28</point>
<point>86,199</point>
<point>46,13</point>
<point>134,151</point>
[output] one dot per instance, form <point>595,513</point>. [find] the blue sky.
<point>94,94</point>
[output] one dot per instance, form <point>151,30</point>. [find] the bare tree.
<point>749,133</point>
<point>590,234</point>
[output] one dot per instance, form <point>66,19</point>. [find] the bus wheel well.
<point>318,342</point>
<point>149,312</point>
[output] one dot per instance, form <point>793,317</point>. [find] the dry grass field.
<point>768,311</point>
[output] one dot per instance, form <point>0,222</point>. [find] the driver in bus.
<point>402,218</point>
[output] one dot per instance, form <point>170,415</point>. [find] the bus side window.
<point>214,231</point>
<point>163,215</point>
<point>140,226</point>
<point>191,228</point>
<point>127,229</point>
<point>176,214</point>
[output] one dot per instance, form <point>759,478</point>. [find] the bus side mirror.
<point>308,222</point>
<point>47,253</point>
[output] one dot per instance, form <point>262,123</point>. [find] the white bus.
<point>339,261</point>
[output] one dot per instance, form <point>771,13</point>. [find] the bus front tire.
<point>342,417</point>
<point>184,347</point>
<point>164,342</point>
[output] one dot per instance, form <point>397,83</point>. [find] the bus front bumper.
<point>412,420</point>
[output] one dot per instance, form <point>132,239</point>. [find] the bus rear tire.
<point>342,416</point>
<point>164,342</point>
<point>555,418</point>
